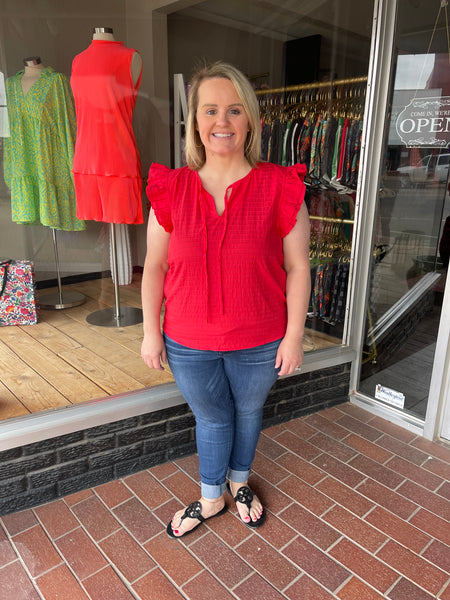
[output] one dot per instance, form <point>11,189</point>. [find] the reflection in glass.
<point>294,53</point>
<point>410,262</point>
<point>325,40</point>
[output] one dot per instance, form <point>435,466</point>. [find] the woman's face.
<point>222,122</point>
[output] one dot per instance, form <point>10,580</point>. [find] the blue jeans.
<point>226,391</point>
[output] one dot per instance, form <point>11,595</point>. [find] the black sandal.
<point>193,511</point>
<point>245,496</point>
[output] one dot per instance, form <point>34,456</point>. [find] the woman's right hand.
<point>153,351</point>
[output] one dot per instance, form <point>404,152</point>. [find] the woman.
<point>228,250</point>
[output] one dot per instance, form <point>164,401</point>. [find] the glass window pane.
<point>409,267</point>
<point>278,44</point>
<point>291,55</point>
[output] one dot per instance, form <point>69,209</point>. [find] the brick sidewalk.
<point>358,509</point>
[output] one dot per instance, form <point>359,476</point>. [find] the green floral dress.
<point>38,155</point>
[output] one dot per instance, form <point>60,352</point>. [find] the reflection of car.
<point>432,166</point>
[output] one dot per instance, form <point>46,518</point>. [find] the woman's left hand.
<point>289,356</point>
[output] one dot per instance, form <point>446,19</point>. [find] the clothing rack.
<point>314,85</point>
<point>338,97</point>
<point>330,268</point>
<point>318,124</point>
<point>332,220</point>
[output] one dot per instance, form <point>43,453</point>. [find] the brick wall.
<point>43,471</point>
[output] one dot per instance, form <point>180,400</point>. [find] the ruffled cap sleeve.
<point>292,197</point>
<point>158,194</point>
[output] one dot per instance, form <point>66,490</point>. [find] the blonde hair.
<point>195,151</point>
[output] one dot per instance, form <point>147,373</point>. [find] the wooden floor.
<point>64,360</point>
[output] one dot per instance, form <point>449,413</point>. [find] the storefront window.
<point>290,51</point>
<point>291,57</point>
<point>411,238</point>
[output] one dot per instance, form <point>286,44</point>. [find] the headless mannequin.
<point>106,33</point>
<point>33,69</point>
<point>117,316</point>
<point>32,72</point>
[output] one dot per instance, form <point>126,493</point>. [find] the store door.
<point>412,225</point>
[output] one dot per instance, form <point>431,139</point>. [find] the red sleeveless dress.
<point>106,166</point>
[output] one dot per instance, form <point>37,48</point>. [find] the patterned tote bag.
<point>18,304</point>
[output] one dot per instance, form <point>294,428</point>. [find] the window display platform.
<point>64,360</point>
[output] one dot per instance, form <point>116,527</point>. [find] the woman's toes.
<point>256,513</point>
<point>181,523</point>
<point>244,515</point>
<point>176,519</point>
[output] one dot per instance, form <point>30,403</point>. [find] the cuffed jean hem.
<point>211,492</point>
<point>238,476</point>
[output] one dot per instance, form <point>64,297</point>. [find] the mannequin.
<point>125,273</point>
<point>33,70</point>
<point>106,33</point>
<point>107,171</point>
<point>39,152</point>
<point>38,157</point>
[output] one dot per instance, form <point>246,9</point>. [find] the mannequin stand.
<point>117,316</point>
<point>56,300</point>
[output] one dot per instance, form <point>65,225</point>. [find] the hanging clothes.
<point>320,203</point>
<point>289,150</point>
<point>329,291</point>
<point>314,161</point>
<point>329,146</point>
<point>294,141</point>
<point>274,142</point>
<point>316,172</point>
<point>284,159</point>
<point>355,161</point>
<point>327,141</point>
<point>304,142</point>
<point>265,138</point>
<point>38,155</point>
<point>342,149</point>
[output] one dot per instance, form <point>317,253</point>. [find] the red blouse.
<point>225,287</point>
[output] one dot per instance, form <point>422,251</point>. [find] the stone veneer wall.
<point>43,471</point>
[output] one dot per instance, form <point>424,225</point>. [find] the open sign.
<point>425,122</point>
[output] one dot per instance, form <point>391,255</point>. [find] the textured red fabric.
<point>225,287</point>
<point>106,167</point>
